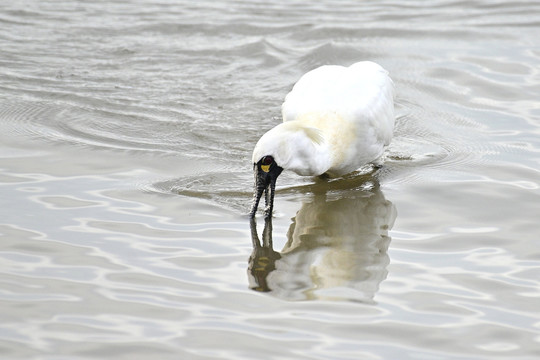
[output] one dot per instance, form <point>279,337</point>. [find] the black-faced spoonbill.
<point>335,120</point>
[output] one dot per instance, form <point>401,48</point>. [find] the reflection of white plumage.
<point>335,120</point>
<point>337,248</point>
<point>335,245</point>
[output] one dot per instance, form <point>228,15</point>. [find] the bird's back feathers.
<point>352,106</point>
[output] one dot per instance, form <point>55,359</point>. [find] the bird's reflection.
<point>336,249</point>
<point>263,258</point>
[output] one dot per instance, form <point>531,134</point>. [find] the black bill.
<point>265,181</point>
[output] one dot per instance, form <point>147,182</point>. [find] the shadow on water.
<point>336,245</point>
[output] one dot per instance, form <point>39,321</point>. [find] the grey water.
<point>126,131</point>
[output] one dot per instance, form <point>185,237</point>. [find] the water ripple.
<point>126,132</point>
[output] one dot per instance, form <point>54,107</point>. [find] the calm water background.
<point>126,132</point>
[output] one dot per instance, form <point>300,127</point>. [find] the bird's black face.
<point>266,172</point>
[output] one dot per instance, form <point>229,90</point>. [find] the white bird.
<point>335,120</point>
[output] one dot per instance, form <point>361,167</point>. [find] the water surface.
<point>126,132</point>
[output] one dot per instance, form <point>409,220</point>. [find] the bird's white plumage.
<point>336,119</point>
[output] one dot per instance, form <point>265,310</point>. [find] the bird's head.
<point>290,146</point>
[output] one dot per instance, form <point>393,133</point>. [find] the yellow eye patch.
<point>266,162</point>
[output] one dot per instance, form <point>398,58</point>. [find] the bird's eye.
<point>267,160</point>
